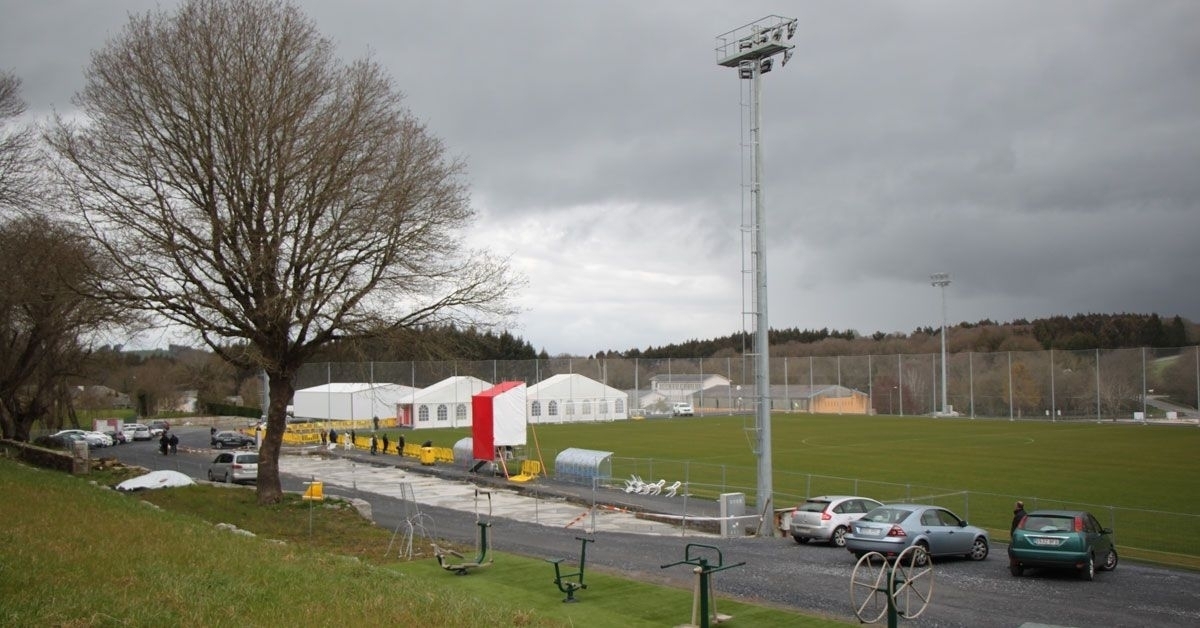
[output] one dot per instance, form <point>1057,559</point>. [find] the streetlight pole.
<point>941,280</point>
<point>750,49</point>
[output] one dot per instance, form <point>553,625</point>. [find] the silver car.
<point>891,529</point>
<point>239,466</point>
<point>828,517</point>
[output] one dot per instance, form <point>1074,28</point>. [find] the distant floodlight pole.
<point>941,280</point>
<point>750,49</point>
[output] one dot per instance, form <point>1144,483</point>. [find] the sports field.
<point>1142,480</point>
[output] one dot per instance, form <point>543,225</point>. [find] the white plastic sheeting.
<point>156,479</point>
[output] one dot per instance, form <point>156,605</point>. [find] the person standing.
<point>1018,515</point>
<point>163,442</point>
<point>324,437</point>
<point>385,442</point>
<point>374,444</point>
<point>400,446</point>
<point>174,443</point>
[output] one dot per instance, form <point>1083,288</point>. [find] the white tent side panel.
<point>345,401</point>
<point>508,417</point>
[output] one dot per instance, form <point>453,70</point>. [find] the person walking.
<point>163,443</point>
<point>374,444</point>
<point>324,437</point>
<point>400,446</point>
<point>174,443</point>
<point>385,442</point>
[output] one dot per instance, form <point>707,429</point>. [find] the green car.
<point>1069,539</point>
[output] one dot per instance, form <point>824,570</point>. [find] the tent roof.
<point>353,387</point>
<point>459,387</point>
<point>572,385</point>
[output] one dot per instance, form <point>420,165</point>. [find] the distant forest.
<point>1079,332</point>
<point>1082,331</point>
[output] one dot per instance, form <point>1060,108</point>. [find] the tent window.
<point>423,413</point>
<point>535,409</point>
<point>602,407</point>
<point>587,407</point>
<point>552,408</point>
<point>568,408</point>
<point>443,412</point>
<point>620,405</point>
<point>460,412</point>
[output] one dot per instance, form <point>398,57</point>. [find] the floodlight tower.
<point>751,49</point>
<point>941,280</point>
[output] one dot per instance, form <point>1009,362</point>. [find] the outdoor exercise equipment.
<point>899,589</point>
<point>483,556</point>
<point>561,579</point>
<point>704,599</point>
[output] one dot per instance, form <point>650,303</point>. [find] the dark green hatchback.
<point>1068,539</point>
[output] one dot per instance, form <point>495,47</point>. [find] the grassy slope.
<point>83,556</point>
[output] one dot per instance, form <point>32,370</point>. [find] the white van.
<point>682,408</point>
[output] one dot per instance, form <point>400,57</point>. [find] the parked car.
<point>60,440</point>
<point>221,440</point>
<point>828,517</point>
<point>118,438</point>
<point>158,427</point>
<point>105,439</point>
<point>681,408</point>
<point>94,439</point>
<point>1068,539</point>
<point>136,431</point>
<point>234,466</point>
<point>891,529</point>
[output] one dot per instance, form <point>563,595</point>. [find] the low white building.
<point>571,398</point>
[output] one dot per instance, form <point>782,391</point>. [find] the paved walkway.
<point>542,501</point>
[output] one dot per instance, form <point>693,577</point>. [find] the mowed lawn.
<point>1128,474</point>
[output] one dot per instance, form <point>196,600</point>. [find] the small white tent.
<point>571,398</point>
<point>350,401</point>
<point>444,404</point>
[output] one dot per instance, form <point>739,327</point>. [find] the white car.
<point>94,439</point>
<point>828,518</point>
<point>136,431</point>
<point>682,408</point>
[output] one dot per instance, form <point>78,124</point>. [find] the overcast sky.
<point>1044,153</point>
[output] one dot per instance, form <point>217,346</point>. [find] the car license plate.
<point>1045,541</point>
<point>870,532</point>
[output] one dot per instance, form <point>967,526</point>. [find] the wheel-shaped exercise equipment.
<point>912,582</point>
<point>905,587</point>
<point>869,587</point>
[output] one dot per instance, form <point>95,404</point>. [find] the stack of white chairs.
<point>653,488</point>
<point>672,489</point>
<point>634,484</point>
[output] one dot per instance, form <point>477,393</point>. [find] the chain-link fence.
<point>1059,385</point>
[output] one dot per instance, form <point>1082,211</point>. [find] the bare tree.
<point>257,191</point>
<point>19,167</point>
<point>45,321</point>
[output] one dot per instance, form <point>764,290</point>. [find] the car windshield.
<point>247,459</point>
<point>1048,523</point>
<point>813,506</point>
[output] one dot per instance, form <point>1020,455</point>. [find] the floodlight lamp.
<point>745,44</point>
<point>766,66</point>
<point>787,56</point>
<point>746,70</point>
<point>777,34</point>
<point>791,28</point>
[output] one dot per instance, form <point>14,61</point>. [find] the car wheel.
<point>1015,569</point>
<point>1110,561</point>
<point>227,479</point>
<point>922,558</point>
<point>1088,572</point>
<point>803,540</point>
<point>219,445</point>
<point>210,476</point>
<point>838,538</point>
<point>979,550</point>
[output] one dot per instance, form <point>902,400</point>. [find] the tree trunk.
<point>270,490</point>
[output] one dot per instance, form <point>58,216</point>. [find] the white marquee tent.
<point>572,398</point>
<point>349,401</point>
<point>444,404</point>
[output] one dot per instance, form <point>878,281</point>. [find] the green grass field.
<point>1138,479</point>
